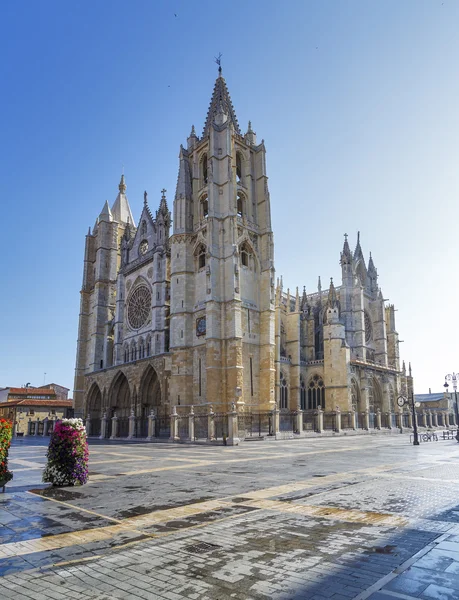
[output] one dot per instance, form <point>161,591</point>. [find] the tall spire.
<point>332,299</point>
<point>346,254</point>
<point>220,105</point>
<point>358,250</point>
<point>371,266</point>
<point>106,214</point>
<point>163,208</point>
<point>121,210</point>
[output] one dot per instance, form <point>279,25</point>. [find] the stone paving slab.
<point>306,519</point>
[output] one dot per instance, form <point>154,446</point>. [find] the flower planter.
<point>6,433</point>
<point>67,454</point>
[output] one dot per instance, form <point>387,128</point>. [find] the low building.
<point>35,416</point>
<point>440,400</point>
<point>9,394</point>
<point>34,411</point>
<point>61,392</point>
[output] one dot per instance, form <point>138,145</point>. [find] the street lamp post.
<point>401,401</point>
<point>454,377</point>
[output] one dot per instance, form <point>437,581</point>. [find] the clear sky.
<point>357,102</point>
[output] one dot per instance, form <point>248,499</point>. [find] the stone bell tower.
<point>222,267</point>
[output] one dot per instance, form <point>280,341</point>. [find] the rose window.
<point>139,307</point>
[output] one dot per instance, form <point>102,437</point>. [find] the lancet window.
<point>283,392</point>
<point>316,393</point>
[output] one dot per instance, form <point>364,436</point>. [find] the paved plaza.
<point>350,517</point>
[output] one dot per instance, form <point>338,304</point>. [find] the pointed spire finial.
<point>145,198</point>
<point>122,185</point>
<point>249,129</point>
<point>319,285</point>
<point>218,60</point>
<point>163,194</point>
<point>332,299</point>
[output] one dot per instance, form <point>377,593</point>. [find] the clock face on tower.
<point>201,326</point>
<point>143,247</point>
<point>401,401</point>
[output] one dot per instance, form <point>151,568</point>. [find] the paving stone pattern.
<point>333,518</point>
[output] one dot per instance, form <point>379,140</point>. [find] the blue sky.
<point>357,103</point>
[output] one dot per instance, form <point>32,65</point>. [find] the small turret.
<point>297,301</point>
<point>106,213</point>
<point>372,275</point>
<point>192,139</point>
<point>332,304</point>
<point>358,254</point>
<point>251,136</point>
<point>346,254</point>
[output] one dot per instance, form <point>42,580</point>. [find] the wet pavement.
<point>341,518</point>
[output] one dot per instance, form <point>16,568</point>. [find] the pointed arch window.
<point>316,393</point>
<point>200,256</point>
<point>143,229</point>
<point>204,172</point>
<point>318,334</point>
<point>283,392</point>
<point>204,206</point>
<point>238,167</point>
<point>246,256</point>
<point>302,394</point>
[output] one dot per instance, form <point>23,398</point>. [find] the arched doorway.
<point>120,403</point>
<point>94,410</point>
<point>150,398</point>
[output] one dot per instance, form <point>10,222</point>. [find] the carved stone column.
<point>353,420</point>
<point>233,433</point>
<point>114,427</point>
<point>320,420</point>
<point>191,424</point>
<point>276,419</point>
<point>151,424</point>
<point>378,419</point>
<point>299,420</point>
<point>338,420</point>
<point>211,425</point>
<point>366,420</point>
<point>103,426</point>
<point>88,424</point>
<point>174,422</point>
<point>131,425</point>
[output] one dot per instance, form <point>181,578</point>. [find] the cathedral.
<point>196,317</point>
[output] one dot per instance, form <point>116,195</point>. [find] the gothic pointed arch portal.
<point>150,390</point>
<point>94,409</point>
<point>119,400</point>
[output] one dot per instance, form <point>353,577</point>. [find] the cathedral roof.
<point>121,210</point>
<point>220,103</point>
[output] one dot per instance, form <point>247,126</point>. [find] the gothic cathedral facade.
<point>195,316</point>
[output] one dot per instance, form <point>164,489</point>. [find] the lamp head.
<point>446,385</point>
